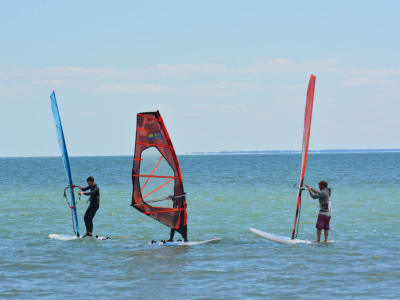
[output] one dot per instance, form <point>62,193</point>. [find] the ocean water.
<point>226,195</point>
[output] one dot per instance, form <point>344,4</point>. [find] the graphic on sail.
<point>306,140</point>
<point>64,154</point>
<point>156,175</point>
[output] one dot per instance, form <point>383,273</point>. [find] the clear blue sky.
<point>225,75</point>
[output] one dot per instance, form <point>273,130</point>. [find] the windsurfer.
<point>94,200</point>
<point>183,227</point>
<point>324,215</point>
<point>184,234</point>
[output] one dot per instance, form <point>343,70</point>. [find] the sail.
<point>64,154</point>
<point>156,175</point>
<point>306,140</point>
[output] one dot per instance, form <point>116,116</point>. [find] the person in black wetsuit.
<point>178,204</point>
<point>184,234</point>
<point>94,205</point>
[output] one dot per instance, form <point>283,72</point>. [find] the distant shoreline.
<point>324,151</point>
<point>297,151</point>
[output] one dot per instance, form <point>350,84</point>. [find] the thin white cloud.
<point>277,65</point>
<point>78,72</point>
<point>364,81</point>
<point>52,82</point>
<point>188,69</point>
<point>60,72</point>
<point>213,79</point>
<point>224,89</point>
<point>221,107</point>
<point>239,86</point>
<point>374,72</point>
<point>131,88</point>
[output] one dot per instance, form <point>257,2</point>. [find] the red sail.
<point>306,140</point>
<point>156,175</point>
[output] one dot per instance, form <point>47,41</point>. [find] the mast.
<point>64,155</point>
<point>304,156</point>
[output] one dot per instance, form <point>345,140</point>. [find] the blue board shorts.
<point>323,222</point>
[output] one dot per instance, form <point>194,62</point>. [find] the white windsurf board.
<point>66,237</point>
<point>278,238</point>
<point>182,243</point>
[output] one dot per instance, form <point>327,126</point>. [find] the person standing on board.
<point>94,205</point>
<point>184,235</point>
<point>183,225</point>
<point>324,215</point>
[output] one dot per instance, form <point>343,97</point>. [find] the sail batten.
<point>156,172</point>
<point>306,140</point>
<point>64,155</point>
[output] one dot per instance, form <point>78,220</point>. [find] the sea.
<point>226,194</point>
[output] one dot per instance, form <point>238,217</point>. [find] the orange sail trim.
<point>154,176</point>
<point>155,145</point>
<point>160,187</point>
<point>306,141</point>
<point>152,172</point>
<point>164,211</point>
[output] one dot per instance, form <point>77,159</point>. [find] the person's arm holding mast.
<point>84,188</point>
<point>92,192</point>
<point>313,193</point>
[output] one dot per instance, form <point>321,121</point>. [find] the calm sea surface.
<point>226,195</point>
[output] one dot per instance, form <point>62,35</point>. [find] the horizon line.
<point>222,152</point>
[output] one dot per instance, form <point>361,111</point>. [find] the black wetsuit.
<point>93,207</point>
<point>183,230</point>
<point>184,234</point>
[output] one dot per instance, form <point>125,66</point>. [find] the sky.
<point>225,75</point>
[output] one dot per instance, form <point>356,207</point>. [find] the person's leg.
<point>94,210</point>
<point>184,234</point>
<point>89,215</point>
<point>318,235</point>
<point>326,232</point>
<point>183,231</point>
<point>171,236</point>
<point>326,228</point>
<point>87,220</point>
<point>319,227</point>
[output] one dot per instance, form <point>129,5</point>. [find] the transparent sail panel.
<point>156,179</point>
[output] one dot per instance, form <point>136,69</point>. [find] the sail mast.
<point>306,140</point>
<point>64,154</point>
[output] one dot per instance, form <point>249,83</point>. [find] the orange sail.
<point>306,141</point>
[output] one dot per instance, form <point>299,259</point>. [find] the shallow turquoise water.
<point>226,195</point>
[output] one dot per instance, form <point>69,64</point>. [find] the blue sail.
<point>64,154</point>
